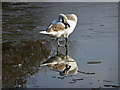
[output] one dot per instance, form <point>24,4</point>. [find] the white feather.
<point>45,32</point>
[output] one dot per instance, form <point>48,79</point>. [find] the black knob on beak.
<point>67,25</point>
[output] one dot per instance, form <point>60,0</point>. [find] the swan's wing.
<point>50,26</point>
<point>58,27</point>
<point>53,23</point>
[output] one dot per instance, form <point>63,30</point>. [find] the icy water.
<point>93,46</point>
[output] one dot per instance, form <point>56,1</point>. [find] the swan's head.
<point>63,19</point>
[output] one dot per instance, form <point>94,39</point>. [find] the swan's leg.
<point>57,50</point>
<point>58,45</point>
<point>66,46</point>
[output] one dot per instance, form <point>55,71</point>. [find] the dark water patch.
<point>106,81</point>
<point>21,60</point>
<point>94,62</point>
<point>114,86</point>
<point>60,77</point>
<point>102,25</point>
<point>77,79</point>
<point>72,82</point>
<point>89,73</point>
<point>53,76</point>
<point>91,29</point>
<point>96,88</point>
<point>107,85</point>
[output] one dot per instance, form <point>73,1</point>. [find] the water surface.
<point>95,40</point>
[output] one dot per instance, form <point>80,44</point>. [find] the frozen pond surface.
<point>93,45</point>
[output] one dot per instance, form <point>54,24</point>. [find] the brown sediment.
<point>60,77</point>
<point>107,85</point>
<point>86,72</point>
<point>115,86</point>
<point>77,79</point>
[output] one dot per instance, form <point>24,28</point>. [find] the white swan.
<point>63,26</point>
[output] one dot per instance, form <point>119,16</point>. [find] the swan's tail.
<point>43,65</point>
<point>49,33</point>
<point>43,32</point>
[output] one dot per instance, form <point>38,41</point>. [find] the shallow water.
<point>95,40</point>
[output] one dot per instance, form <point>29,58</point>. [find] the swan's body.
<point>59,26</point>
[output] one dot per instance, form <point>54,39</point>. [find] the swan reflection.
<point>64,64</point>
